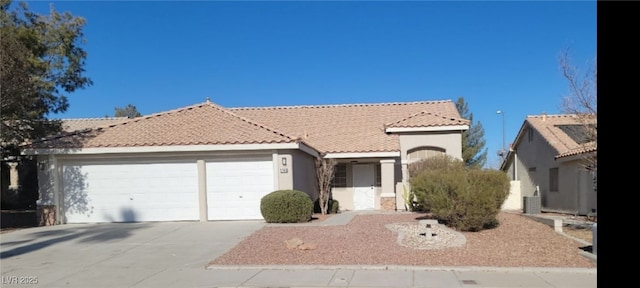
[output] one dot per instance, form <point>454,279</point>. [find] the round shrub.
<point>334,206</point>
<point>464,199</point>
<point>286,206</point>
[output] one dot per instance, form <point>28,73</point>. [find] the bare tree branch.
<point>582,101</point>
<point>325,169</point>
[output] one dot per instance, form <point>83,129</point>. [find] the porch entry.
<point>363,186</point>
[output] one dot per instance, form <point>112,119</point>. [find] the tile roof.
<point>354,127</point>
<point>75,124</point>
<point>201,124</point>
<point>327,128</point>
<point>427,119</point>
<point>549,127</point>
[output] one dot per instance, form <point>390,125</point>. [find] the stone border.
<point>409,235</point>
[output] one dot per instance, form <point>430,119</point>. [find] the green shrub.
<point>286,206</point>
<point>333,206</point>
<point>434,163</point>
<point>464,199</point>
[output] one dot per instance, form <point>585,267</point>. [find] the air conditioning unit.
<point>532,205</point>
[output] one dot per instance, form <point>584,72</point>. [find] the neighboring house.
<point>206,162</point>
<point>548,156</point>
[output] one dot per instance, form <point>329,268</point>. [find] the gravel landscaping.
<point>369,240</point>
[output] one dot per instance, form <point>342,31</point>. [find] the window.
<point>424,153</point>
<point>553,180</point>
<point>340,176</point>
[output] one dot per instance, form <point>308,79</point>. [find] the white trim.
<point>180,148</point>
<point>54,177</point>
<point>387,195</point>
<point>426,129</point>
<point>392,161</point>
<point>580,156</point>
<point>276,178</point>
<point>305,148</point>
<point>362,155</point>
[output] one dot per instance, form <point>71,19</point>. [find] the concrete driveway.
<point>165,254</point>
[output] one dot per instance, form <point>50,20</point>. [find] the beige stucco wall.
<point>450,142</point>
<point>514,200</point>
<point>345,195</point>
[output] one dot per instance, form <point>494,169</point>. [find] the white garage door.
<point>130,192</point>
<point>235,188</point>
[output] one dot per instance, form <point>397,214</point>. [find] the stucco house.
<point>207,162</point>
<point>547,159</point>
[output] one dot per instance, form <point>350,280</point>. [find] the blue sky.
<point>498,55</point>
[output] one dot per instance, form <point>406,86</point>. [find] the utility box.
<point>532,205</point>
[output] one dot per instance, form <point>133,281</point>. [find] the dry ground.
<point>517,242</point>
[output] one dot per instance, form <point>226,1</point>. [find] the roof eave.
<point>426,129</point>
<point>170,148</point>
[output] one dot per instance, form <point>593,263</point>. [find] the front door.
<point>363,183</point>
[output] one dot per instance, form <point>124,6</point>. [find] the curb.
<point>406,268</point>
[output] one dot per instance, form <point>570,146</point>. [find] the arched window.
<point>420,153</point>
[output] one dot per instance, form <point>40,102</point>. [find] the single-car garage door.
<point>235,188</point>
<point>130,192</point>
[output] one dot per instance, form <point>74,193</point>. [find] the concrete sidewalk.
<point>398,276</point>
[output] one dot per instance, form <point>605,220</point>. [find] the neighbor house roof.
<point>201,124</point>
<point>327,128</point>
<point>351,128</point>
<point>558,131</point>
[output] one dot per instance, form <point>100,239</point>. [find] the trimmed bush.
<point>286,206</point>
<point>464,199</point>
<point>334,206</point>
<point>437,162</point>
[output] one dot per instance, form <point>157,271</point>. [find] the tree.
<point>41,63</point>
<point>473,152</point>
<point>129,111</point>
<point>325,169</point>
<point>582,101</point>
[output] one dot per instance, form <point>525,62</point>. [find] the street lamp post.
<point>503,145</point>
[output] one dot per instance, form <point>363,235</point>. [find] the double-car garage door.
<point>107,191</point>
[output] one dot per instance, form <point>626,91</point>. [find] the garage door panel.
<point>130,192</point>
<point>235,188</point>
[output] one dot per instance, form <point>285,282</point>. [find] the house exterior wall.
<point>304,173</point>
<point>345,195</point>
<point>284,173</point>
<point>535,158</point>
<point>576,190</point>
<point>450,142</point>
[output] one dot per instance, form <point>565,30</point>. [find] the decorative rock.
<point>293,243</point>
<point>412,235</point>
<point>307,246</point>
